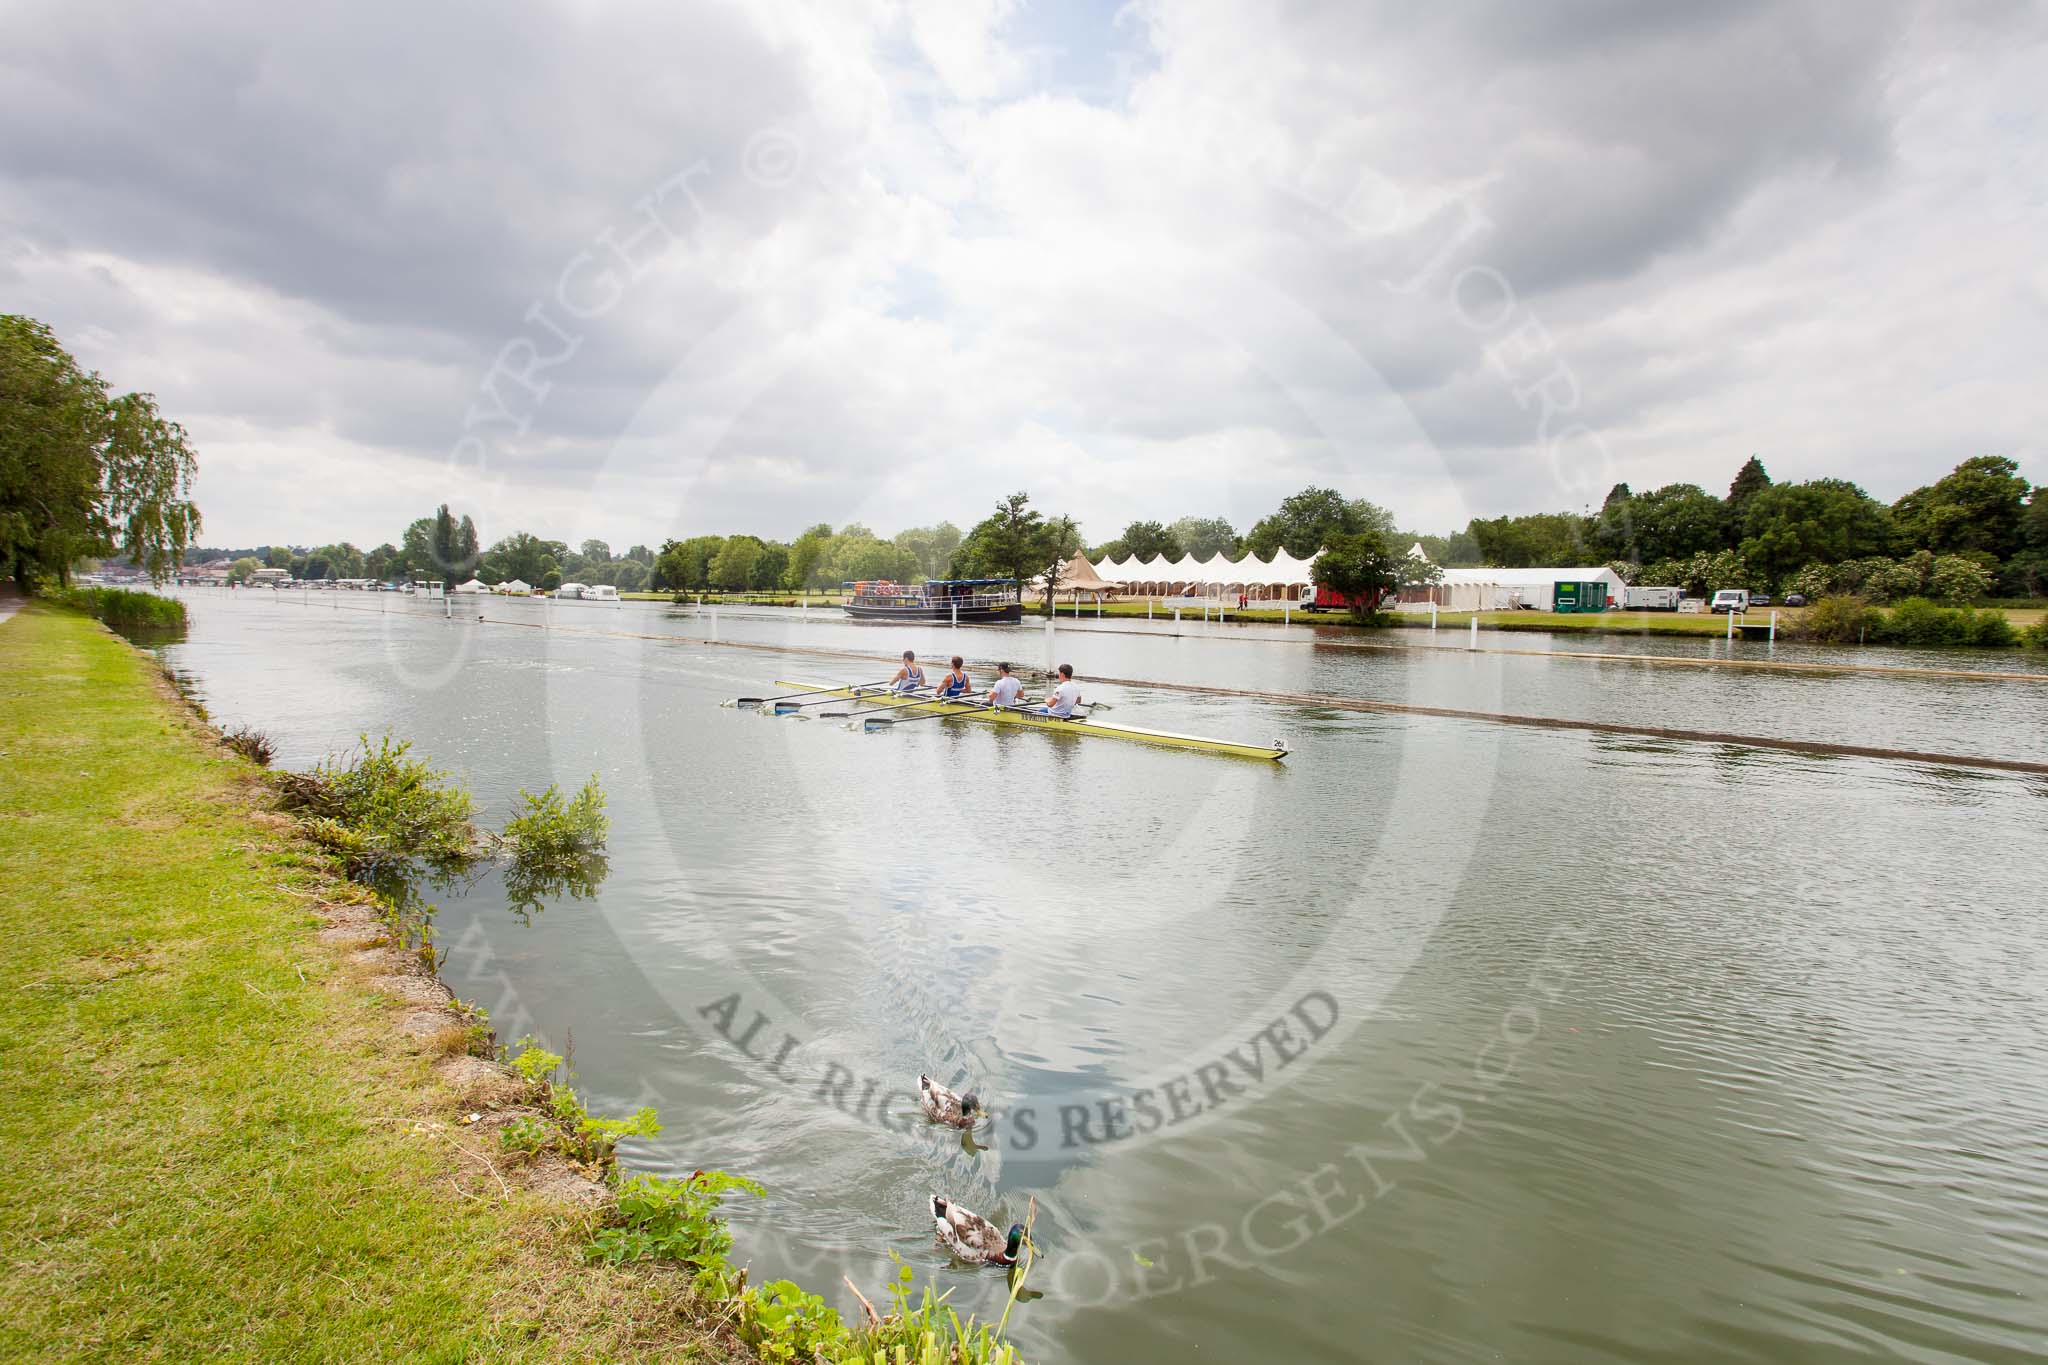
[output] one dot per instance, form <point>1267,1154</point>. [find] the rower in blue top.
<point>910,677</point>
<point>955,683</point>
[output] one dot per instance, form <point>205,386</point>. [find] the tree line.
<point>1977,530</point>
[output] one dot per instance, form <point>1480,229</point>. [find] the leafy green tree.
<point>280,556</point>
<point>1749,481</point>
<point>640,554</point>
<point>1672,522</point>
<point>1534,540</point>
<point>1823,521</point>
<point>806,566</point>
<point>734,568</point>
<point>1365,566</point>
<point>858,555</point>
<point>84,474</point>
<point>1058,541</point>
<point>1980,505</point>
<point>1206,536</point>
<point>1150,540</point>
<point>1457,550</point>
<point>1703,574</point>
<point>597,552</point>
<point>383,563</point>
<point>239,571</point>
<point>521,555</point>
<point>343,560</point>
<point>769,568</point>
<point>932,547</point>
<point>1005,544</point>
<point>631,576</point>
<point>1955,580</point>
<point>1305,522</point>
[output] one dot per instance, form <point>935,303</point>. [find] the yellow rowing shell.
<point>1100,729</point>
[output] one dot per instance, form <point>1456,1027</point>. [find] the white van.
<point>1731,599</point>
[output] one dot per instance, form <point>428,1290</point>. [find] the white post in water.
<point>1050,662</point>
<point>1432,614</point>
<point>956,613</point>
<point>1472,641</point>
<point>447,607</point>
<point>1176,620</point>
<point>714,620</point>
<point>1286,612</point>
<point>1148,609</point>
<point>1731,624</point>
<point>1774,627</point>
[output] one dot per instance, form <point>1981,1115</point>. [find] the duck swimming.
<point>972,1238</point>
<point>943,1106</point>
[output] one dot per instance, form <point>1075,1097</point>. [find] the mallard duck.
<point>943,1106</point>
<point>971,1237</point>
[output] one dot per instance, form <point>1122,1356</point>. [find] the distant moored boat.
<point>975,601</point>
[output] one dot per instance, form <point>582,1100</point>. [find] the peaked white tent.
<point>514,587</point>
<point>1214,576</point>
<point>472,587</point>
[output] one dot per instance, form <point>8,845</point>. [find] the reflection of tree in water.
<point>530,883</point>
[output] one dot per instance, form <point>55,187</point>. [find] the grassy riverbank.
<point>214,1142</point>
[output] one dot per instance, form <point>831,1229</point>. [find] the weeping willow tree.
<point>84,474</point>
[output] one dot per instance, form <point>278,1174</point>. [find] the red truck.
<point>1316,597</point>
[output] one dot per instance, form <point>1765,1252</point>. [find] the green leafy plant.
<point>527,1135</point>
<point>382,806</point>
<point>583,1136</point>
<point>657,1218</point>
<point>552,830</point>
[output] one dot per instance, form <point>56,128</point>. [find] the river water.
<point>1441,1041</point>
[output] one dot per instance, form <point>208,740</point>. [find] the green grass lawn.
<point>213,1143</point>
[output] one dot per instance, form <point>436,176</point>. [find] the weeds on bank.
<point>579,1134</point>
<point>677,1221</point>
<point>251,744</point>
<point>394,821</point>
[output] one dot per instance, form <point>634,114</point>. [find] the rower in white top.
<point>1007,689</point>
<point>1064,698</point>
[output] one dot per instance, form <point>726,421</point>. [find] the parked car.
<point>1730,599</point>
<point>1795,599</point>
<point>1759,599</point>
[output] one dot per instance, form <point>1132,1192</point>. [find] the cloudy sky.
<point>646,270</point>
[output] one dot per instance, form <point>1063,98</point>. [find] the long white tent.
<point>1493,589</point>
<point>1214,576</point>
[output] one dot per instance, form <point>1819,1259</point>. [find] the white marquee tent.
<point>1215,576</point>
<point>1505,589</point>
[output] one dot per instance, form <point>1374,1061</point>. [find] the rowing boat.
<point>1100,729</point>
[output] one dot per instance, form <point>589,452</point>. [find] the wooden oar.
<point>973,708</point>
<point>762,701</point>
<point>880,719</point>
<point>880,691</point>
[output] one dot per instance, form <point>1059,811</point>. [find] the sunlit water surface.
<point>1641,1051</point>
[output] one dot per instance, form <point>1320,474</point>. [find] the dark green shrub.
<point>2036,635</point>
<point>123,609</point>
<point>1841,620</point>
<point>1917,621</point>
